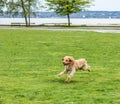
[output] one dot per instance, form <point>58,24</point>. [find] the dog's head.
<point>67,60</point>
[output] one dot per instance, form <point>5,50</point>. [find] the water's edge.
<point>60,21</point>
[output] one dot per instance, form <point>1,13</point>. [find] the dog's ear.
<point>71,59</point>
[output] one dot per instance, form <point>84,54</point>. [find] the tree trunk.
<point>68,17</point>
<point>29,12</point>
<point>26,21</point>
<point>24,13</point>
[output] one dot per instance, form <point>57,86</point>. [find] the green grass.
<point>31,59</point>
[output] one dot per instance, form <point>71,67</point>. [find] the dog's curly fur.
<point>73,65</point>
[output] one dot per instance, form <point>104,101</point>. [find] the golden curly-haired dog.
<point>73,65</point>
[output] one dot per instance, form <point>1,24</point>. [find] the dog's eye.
<point>62,59</point>
<point>67,60</point>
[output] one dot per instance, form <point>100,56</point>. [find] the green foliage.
<point>30,61</point>
<point>2,5</point>
<point>64,7</point>
<point>26,7</point>
<point>17,6</point>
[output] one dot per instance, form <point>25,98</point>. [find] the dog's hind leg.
<point>86,67</point>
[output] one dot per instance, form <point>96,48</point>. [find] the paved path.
<point>95,29</point>
<point>108,31</point>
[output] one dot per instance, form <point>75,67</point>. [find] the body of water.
<point>50,21</point>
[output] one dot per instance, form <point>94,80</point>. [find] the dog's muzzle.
<point>65,63</point>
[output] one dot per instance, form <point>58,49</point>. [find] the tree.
<point>2,5</point>
<point>26,7</point>
<point>67,7</point>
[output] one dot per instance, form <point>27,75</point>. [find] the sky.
<point>106,5</point>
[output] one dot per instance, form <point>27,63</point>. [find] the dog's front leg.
<point>62,73</point>
<point>70,76</point>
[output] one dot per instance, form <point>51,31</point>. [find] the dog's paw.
<point>58,75</point>
<point>89,70</point>
<point>68,79</point>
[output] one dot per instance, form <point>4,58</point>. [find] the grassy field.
<point>31,59</point>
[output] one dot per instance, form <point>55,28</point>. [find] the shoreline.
<point>63,21</point>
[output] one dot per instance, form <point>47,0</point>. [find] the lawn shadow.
<point>62,81</point>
